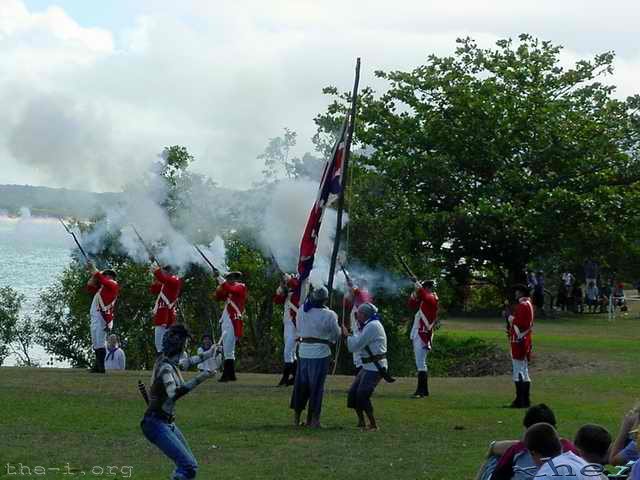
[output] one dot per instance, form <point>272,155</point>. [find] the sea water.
<point>33,252</point>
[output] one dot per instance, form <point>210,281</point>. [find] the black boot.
<point>232,371</point>
<point>425,387</point>
<point>96,362</point>
<point>225,371</point>
<point>526,390</point>
<point>517,403</point>
<point>422,389</point>
<point>286,371</point>
<point>294,369</point>
<point>101,354</point>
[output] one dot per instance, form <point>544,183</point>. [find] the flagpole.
<point>345,172</point>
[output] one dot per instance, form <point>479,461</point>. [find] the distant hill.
<point>45,201</point>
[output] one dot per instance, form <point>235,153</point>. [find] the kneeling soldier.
<point>370,343</point>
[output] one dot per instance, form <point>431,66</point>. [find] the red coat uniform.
<point>293,295</point>
<point>168,288</point>
<point>520,330</point>
<point>426,304</point>
<point>235,295</point>
<point>107,291</point>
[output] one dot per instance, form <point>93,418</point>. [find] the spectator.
<point>591,297</point>
<point>568,279</point>
<point>593,443</point>
<point>508,459</point>
<point>543,443</point>
<point>562,299</point>
<point>538,293</point>
<point>115,359</point>
<point>576,299</point>
<point>624,448</point>
<point>210,363</point>
<point>618,297</point>
<point>591,271</point>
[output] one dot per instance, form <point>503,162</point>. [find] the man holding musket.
<point>318,328</point>
<point>167,286</point>
<point>520,327</point>
<point>370,343</point>
<point>105,291</point>
<point>425,301</point>
<point>234,294</point>
<point>288,294</point>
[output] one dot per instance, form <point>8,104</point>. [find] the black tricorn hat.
<point>523,288</point>
<point>109,272</point>
<point>234,275</point>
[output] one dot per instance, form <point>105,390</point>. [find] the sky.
<point>92,91</point>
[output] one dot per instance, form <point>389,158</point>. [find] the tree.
<point>492,159</point>
<point>17,333</point>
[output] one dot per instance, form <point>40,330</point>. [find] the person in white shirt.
<point>318,329</point>
<point>369,343</point>
<point>115,359</point>
<point>209,364</point>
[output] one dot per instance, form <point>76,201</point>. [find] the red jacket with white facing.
<point>235,295</point>
<point>520,330</point>
<point>168,288</point>
<point>107,290</point>
<point>426,303</point>
<point>293,295</point>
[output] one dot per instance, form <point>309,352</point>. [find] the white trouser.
<point>228,336</point>
<point>289,343</point>
<point>420,351</point>
<point>159,335</point>
<point>98,335</point>
<point>520,370</point>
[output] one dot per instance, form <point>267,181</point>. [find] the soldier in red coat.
<point>234,294</point>
<point>167,286</point>
<point>520,326</point>
<point>288,294</point>
<point>105,289</point>
<point>425,301</point>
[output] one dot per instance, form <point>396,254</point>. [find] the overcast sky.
<point>91,91</point>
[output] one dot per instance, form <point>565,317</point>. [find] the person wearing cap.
<point>167,387</point>
<point>520,339</point>
<point>357,295</point>
<point>105,289</point>
<point>425,301</point>
<point>318,329</point>
<point>167,286</point>
<point>370,343</point>
<point>288,295</point>
<point>234,294</point>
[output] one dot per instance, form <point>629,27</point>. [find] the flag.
<point>328,192</point>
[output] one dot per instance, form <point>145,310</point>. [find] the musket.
<point>144,244</point>
<point>84,254</point>
<point>346,276</point>
<point>406,268</point>
<point>216,271</point>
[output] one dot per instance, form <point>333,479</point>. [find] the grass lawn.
<point>77,422</point>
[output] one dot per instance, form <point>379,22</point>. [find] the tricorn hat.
<point>234,275</point>
<point>109,272</point>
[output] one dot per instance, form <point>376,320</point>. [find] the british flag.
<point>330,188</point>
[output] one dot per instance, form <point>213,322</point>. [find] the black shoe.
<point>518,403</point>
<point>423,388</point>
<point>225,371</point>
<point>526,389</point>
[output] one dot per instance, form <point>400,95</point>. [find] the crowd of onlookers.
<point>593,295</point>
<point>542,452</point>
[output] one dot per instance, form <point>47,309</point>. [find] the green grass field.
<point>77,422</point>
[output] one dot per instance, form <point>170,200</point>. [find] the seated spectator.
<point>209,364</point>
<point>593,443</point>
<point>624,448</point>
<point>115,359</point>
<point>507,459</point>
<point>543,442</point>
<point>618,298</point>
<point>591,297</point>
